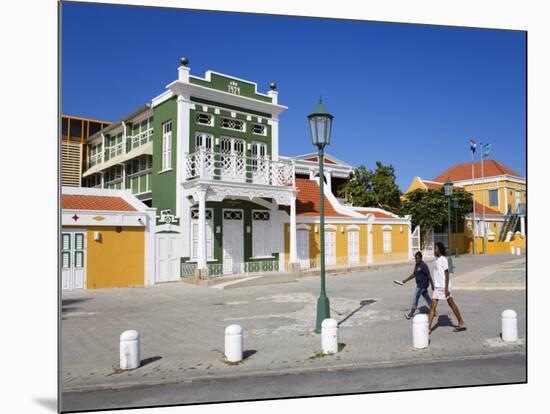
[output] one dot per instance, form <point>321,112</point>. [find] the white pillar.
<point>328,176</point>
<point>509,326</point>
<point>129,350</point>
<point>234,343</point>
<point>150,229</point>
<point>274,122</point>
<point>329,336</point>
<point>421,335</point>
<point>201,239</point>
<point>369,243</point>
<point>293,247</point>
<point>184,105</point>
<point>522,225</point>
<point>409,232</point>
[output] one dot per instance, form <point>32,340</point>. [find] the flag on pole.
<point>486,149</point>
<point>473,144</point>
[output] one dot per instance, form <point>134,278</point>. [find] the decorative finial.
<point>321,100</point>
<point>184,61</point>
<point>272,86</point>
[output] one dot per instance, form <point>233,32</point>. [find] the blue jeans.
<point>421,291</point>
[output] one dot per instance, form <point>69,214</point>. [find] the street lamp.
<point>455,207</point>
<point>320,125</point>
<point>448,186</point>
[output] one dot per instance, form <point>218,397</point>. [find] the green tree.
<point>373,188</point>
<point>429,208</point>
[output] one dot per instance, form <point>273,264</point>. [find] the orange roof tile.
<point>459,172</point>
<point>488,210</point>
<point>307,200</point>
<point>93,202</point>
<point>316,159</point>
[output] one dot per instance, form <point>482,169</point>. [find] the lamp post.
<point>448,186</point>
<point>455,207</point>
<point>320,125</point>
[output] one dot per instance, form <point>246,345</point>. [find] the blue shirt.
<point>421,274</point>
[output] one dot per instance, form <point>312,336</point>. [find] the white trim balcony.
<point>206,164</point>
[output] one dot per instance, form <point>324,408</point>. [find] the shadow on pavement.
<point>442,320</point>
<point>150,360</point>
<point>362,304</point>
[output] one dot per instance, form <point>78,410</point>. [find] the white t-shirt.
<point>440,265</point>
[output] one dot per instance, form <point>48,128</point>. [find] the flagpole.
<point>483,203</point>
<point>474,227</point>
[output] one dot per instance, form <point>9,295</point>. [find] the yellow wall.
<point>400,243</point>
<point>399,239</point>
<point>415,185</point>
<point>482,194</point>
<point>117,260</point>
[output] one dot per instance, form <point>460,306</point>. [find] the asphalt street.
<point>501,369</point>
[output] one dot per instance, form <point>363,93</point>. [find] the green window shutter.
<point>66,260</point>
<point>65,241</point>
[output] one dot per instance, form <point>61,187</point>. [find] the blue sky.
<point>407,95</point>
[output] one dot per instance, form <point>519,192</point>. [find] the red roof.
<point>488,210</point>
<point>307,200</point>
<point>316,159</point>
<point>432,185</point>
<point>93,202</point>
<point>459,172</point>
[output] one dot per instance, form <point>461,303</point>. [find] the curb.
<point>291,371</point>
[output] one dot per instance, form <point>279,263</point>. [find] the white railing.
<point>142,137</point>
<point>116,150</point>
<point>95,159</point>
<point>207,164</point>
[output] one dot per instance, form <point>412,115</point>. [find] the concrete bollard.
<point>512,250</point>
<point>234,343</point>
<point>518,251</point>
<point>509,326</point>
<point>329,336</point>
<point>421,336</point>
<point>129,350</point>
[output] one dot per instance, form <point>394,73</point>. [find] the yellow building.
<point>354,236</point>
<point>107,239</point>
<point>499,216</point>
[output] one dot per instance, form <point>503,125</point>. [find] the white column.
<point>102,148</point>
<point>293,247</point>
<point>328,176</point>
<point>201,248</point>
<point>182,147</point>
<point>409,232</point>
<point>274,122</point>
<point>522,225</point>
<point>150,228</point>
<point>369,243</point>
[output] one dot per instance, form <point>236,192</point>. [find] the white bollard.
<point>234,343</point>
<point>518,251</point>
<point>512,250</point>
<point>129,350</point>
<point>421,336</point>
<point>509,326</point>
<point>329,336</point>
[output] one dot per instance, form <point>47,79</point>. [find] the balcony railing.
<point>142,138</point>
<point>207,164</point>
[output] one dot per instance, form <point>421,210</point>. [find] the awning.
<point>146,149</point>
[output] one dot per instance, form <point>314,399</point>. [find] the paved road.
<point>182,326</point>
<point>503,369</point>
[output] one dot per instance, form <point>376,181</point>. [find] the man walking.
<point>442,288</point>
<point>423,278</point>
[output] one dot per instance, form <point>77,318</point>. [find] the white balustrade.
<point>206,164</point>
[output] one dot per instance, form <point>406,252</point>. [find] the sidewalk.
<point>182,327</point>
